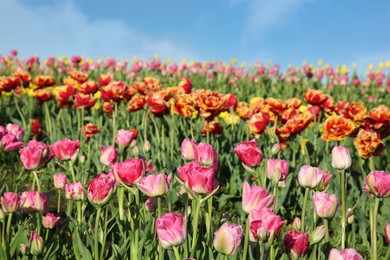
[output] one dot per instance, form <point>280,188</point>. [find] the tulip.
<point>130,171</point>
<point>36,243</point>
<point>35,155</point>
<point>255,197</point>
<point>309,177</point>
<point>24,249</point>
<point>10,202</point>
<point>100,189</point>
<point>49,220</point>
<point>264,221</point>
<point>66,149</point>
<point>202,180</point>
<point>296,243</point>
<point>378,183</point>
<point>146,147</point>
<point>346,254</point>
<point>155,185</point>
<point>387,233</point>
<point>59,181</point>
<point>151,204</point>
<point>185,169</point>
<point>249,153</point>
<point>324,183</point>
<point>16,130</point>
<point>325,205</point>
<point>32,201</point>
<point>74,191</point>
<point>124,137</point>
<point>277,170</point>
<point>189,149</point>
<point>227,239</point>
<point>317,235</point>
<point>341,159</point>
<point>171,230</point>
<point>9,143</point>
<point>296,223</point>
<point>206,155</point>
<point>108,155</point>
<point>350,216</point>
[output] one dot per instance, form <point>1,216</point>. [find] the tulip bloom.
<point>378,184</point>
<point>341,159</point>
<point>100,189</point>
<point>130,171</point>
<point>155,185</point>
<point>227,239</point>
<point>32,201</point>
<point>124,137</point>
<point>264,219</point>
<point>325,205</point>
<point>296,242</point>
<point>108,155</point>
<point>207,155</point>
<point>66,149</point>
<point>171,230</point>
<point>255,197</point>
<point>59,181</point>
<point>249,153</point>
<point>277,169</point>
<point>188,149</point>
<point>36,243</point>
<point>9,142</point>
<point>349,253</point>
<point>387,233</point>
<point>16,130</point>
<point>35,155</point>
<point>49,220</point>
<point>10,202</point>
<point>309,177</point>
<point>74,191</point>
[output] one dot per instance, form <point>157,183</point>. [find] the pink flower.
<point>326,177</point>
<point>185,169</point>
<point>124,137</point>
<point>264,219</point>
<point>16,130</point>
<point>255,197</point>
<point>36,243</point>
<point>32,201</point>
<point>202,180</point>
<point>155,185</point>
<point>188,149</point>
<point>309,177</point>
<point>227,239</point>
<point>387,233</point>
<point>59,180</point>
<point>10,202</point>
<point>171,230</point>
<point>49,220</point>
<point>74,191</point>
<point>346,254</point>
<point>296,242</point>
<point>249,153</point>
<point>130,171</point>
<point>151,204</point>
<point>378,183</point>
<point>100,189</point>
<point>341,159</point>
<point>35,155</point>
<point>325,205</point>
<point>108,155</point>
<point>277,170</point>
<point>9,142</point>
<point>207,155</point>
<point>66,149</point>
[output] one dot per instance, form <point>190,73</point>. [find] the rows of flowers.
<point>101,160</point>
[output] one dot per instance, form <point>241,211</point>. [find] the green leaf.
<point>84,252</point>
<point>20,237</point>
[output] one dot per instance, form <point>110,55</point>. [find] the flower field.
<point>148,159</point>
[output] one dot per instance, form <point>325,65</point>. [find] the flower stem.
<point>37,181</point>
<point>121,194</point>
<point>79,213</point>
<point>304,210</point>
<point>246,240</point>
<point>261,245</point>
<point>9,227</point>
<point>326,223</point>
<point>160,249</point>
<point>373,229</point>
<point>195,227</point>
<point>177,255</point>
<point>96,239</point>
<point>59,202</point>
<point>343,210</point>
<point>275,193</point>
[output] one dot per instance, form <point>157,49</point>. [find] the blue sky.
<point>286,31</point>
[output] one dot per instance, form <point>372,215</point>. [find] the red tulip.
<point>66,149</point>
<point>100,189</point>
<point>296,242</point>
<point>249,153</point>
<point>130,171</point>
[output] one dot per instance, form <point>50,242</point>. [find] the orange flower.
<point>79,76</point>
<point>8,83</point>
<point>356,112</point>
<point>22,75</point>
<point>276,105</point>
<point>258,105</point>
<point>213,127</point>
<point>329,104</point>
<point>288,114</point>
<point>42,95</point>
<point>294,103</point>
<point>71,81</point>
<point>294,126</point>
<point>104,80</point>
<point>315,97</point>
<point>257,123</point>
<point>129,93</point>
<point>186,85</point>
<point>44,81</point>
<point>113,91</point>
<point>89,87</point>
<point>107,108</point>
<point>136,103</point>
<point>157,104</point>
<point>90,130</point>
<point>84,101</point>
<point>379,116</point>
<point>65,96</point>
<point>340,107</point>
<point>336,128</point>
<point>183,105</point>
<point>243,110</point>
<point>210,103</point>
<point>368,143</point>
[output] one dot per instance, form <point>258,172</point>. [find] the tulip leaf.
<point>3,255</point>
<point>83,251</point>
<point>20,237</point>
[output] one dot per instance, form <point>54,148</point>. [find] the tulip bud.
<point>24,249</point>
<point>297,223</point>
<point>275,149</point>
<point>325,205</point>
<point>10,202</point>
<point>74,191</point>
<point>341,159</point>
<point>146,147</point>
<point>350,216</point>
<point>317,235</point>
<point>59,181</point>
<point>309,177</point>
<point>135,151</point>
<point>227,239</point>
<point>133,144</point>
<point>36,243</point>
<point>49,220</point>
<point>263,234</point>
<point>82,159</point>
<point>188,149</point>
<point>108,155</point>
<point>387,233</point>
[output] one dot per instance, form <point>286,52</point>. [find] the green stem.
<point>373,228</point>
<point>37,181</point>
<point>261,245</point>
<point>343,210</point>
<point>72,170</point>
<point>160,249</point>
<point>172,137</point>
<point>246,240</point>
<point>327,230</point>
<point>275,193</point>
<point>59,202</point>
<point>9,227</point>
<point>195,227</point>
<point>156,128</point>
<point>96,235</point>
<point>114,115</point>
<point>79,213</point>
<point>3,234</point>
<point>48,120</point>
<point>304,210</point>
<point>121,195</point>
<point>177,255</point>
<point>388,253</point>
<point>105,232</point>
<point>47,235</point>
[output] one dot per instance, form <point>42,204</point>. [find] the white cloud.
<point>63,29</point>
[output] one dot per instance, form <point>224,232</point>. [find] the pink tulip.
<point>108,155</point>
<point>49,220</point>
<point>255,197</point>
<point>249,153</point>
<point>74,191</point>
<point>264,219</point>
<point>324,183</point>
<point>151,204</point>
<point>59,181</point>
<point>387,233</point>
<point>9,143</point>
<point>378,183</point>
<point>185,169</point>
<point>346,254</point>
<point>35,155</point>
<point>227,239</point>
<point>296,243</point>
<point>188,149</point>
<point>277,170</point>
<point>66,149</point>
<point>197,178</point>
<point>100,189</point>
<point>325,205</point>
<point>16,130</point>
<point>32,201</point>
<point>309,177</point>
<point>36,243</point>
<point>341,159</point>
<point>130,171</point>
<point>124,137</point>
<point>155,185</point>
<point>171,230</point>
<point>207,155</point>
<point>10,202</point>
